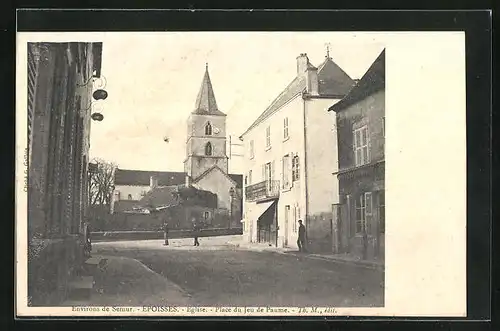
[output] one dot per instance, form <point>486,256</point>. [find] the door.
<point>287,220</point>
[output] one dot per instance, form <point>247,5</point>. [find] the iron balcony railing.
<point>268,189</point>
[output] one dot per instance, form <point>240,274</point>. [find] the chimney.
<point>312,80</point>
<point>153,182</point>
<point>302,62</point>
<point>188,181</point>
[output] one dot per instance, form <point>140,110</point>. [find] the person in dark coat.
<point>165,233</point>
<point>301,242</point>
<point>196,232</point>
<point>88,240</point>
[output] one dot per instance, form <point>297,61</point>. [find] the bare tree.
<point>101,174</point>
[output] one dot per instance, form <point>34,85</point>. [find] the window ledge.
<point>286,189</point>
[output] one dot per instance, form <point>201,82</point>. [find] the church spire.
<point>205,102</point>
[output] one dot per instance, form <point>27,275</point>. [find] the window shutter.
<point>272,170</point>
<point>368,202</point>
<point>368,212</point>
<point>282,164</point>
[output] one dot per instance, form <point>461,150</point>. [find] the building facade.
<point>359,222</point>
<point>60,77</point>
<point>288,157</point>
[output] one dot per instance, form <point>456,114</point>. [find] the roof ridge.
<point>210,169</point>
<point>263,115</point>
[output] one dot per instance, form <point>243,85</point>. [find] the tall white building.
<point>290,154</point>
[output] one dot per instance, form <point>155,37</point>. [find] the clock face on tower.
<point>216,131</point>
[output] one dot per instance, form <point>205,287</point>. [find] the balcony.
<point>262,191</point>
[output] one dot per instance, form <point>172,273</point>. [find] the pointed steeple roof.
<point>205,102</point>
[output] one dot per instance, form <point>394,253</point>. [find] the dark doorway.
<point>267,226</point>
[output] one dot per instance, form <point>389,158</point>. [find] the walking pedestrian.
<point>165,233</point>
<point>196,229</point>
<point>301,242</point>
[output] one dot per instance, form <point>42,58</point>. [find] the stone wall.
<point>51,263</point>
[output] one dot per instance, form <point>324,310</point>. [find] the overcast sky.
<point>153,80</point>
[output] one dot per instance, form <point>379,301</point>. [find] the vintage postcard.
<point>241,174</point>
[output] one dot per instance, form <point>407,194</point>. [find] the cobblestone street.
<point>220,275</point>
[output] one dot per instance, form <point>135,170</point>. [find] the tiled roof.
<point>125,205</point>
<point>142,178</point>
<point>297,85</point>
<point>332,80</point>
<point>165,178</point>
<point>371,82</point>
<point>174,195</point>
<point>161,196</point>
<point>205,102</point>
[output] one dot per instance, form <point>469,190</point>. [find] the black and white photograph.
<point>231,173</point>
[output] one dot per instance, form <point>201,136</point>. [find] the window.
<point>143,193</point>
<point>250,177</point>
<point>295,168</point>
<point>206,215</point>
<point>285,171</point>
<point>208,149</point>
<point>130,196</point>
<point>381,211</point>
<point>363,205</point>
<point>360,205</point>
<point>251,149</point>
<point>208,129</point>
<point>361,151</point>
<point>268,137</point>
<point>285,127</point>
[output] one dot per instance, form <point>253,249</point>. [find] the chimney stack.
<point>302,61</point>
<point>312,80</point>
<point>188,181</point>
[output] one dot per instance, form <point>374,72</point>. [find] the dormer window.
<point>208,129</point>
<point>208,149</point>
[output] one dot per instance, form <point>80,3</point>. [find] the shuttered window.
<point>361,146</point>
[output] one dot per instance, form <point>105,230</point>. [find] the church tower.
<point>206,134</point>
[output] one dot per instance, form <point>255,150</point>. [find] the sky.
<point>153,79</point>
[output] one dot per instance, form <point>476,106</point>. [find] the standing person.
<point>301,242</point>
<point>88,239</point>
<point>165,232</point>
<point>196,230</point>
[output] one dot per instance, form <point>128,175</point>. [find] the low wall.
<point>150,235</point>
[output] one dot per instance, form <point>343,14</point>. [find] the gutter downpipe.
<point>304,100</point>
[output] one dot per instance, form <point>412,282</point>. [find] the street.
<point>218,275</point>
